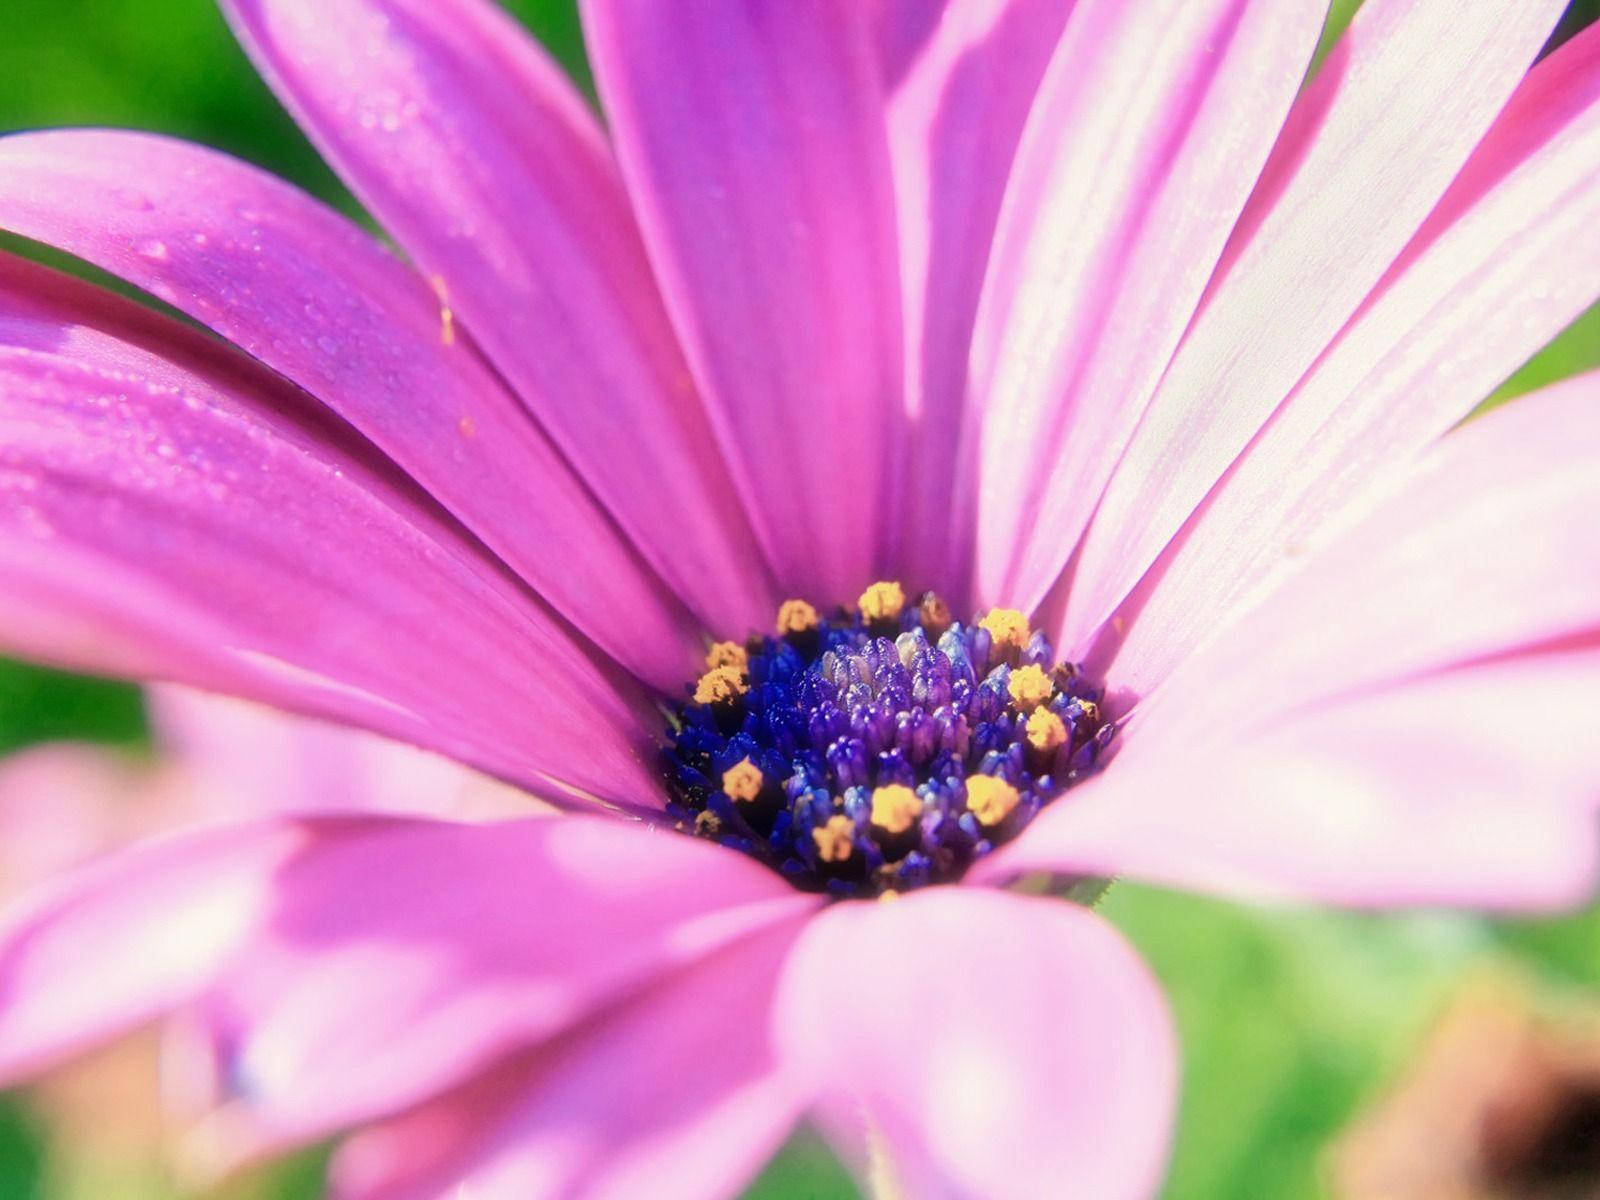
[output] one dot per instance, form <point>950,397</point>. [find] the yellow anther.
<point>1029,687</point>
<point>720,685</point>
<point>935,615</point>
<point>1091,711</point>
<point>1046,731</point>
<point>796,616</point>
<point>833,839</point>
<point>727,654</point>
<point>895,808</point>
<point>989,799</point>
<point>883,601</point>
<point>743,781</point>
<point>707,824</point>
<point>1007,627</point>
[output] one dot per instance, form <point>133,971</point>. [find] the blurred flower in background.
<point>1351,767</point>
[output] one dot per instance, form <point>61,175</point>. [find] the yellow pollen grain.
<point>727,654</point>
<point>934,614</point>
<point>707,824</point>
<point>833,839</point>
<point>1091,711</point>
<point>796,616</point>
<point>743,781</point>
<point>1046,731</point>
<point>883,601</point>
<point>895,808</point>
<point>1029,687</point>
<point>1007,627</point>
<point>720,685</point>
<point>989,799</point>
<point>447,318</point>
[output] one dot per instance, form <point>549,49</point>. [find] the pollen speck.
<point>1007,627</point>
<point>467,427</point>
<point>1046,731</point>
<point>1029,687</point>
<point>935,615</point>
<point>990,799</point>
<point>727,654</point>
<point>743,781</point>
<point>707,824</point>
<point>883,601</point>
<point>720,685</point>
<point>895,808</point>
<point>796,616</point>
<point>1090,710</point>
<point>447,318</point>
<point>833,839</point>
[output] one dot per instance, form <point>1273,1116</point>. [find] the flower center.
<point>883,747</point>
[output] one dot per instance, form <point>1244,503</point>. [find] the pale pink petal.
<point>1369,148</point>
<point>961,79</point>
<point>403,957</point>
<point>676,1094</point>
<point>752,140</point>
<point>471,147</point>
<point>97,952</point>
<point>1009,1046</point>
<point>314,297</point>
<point>1477,786</point>
<point>1490,547</point>
<point>60,805</point>
<point>1151,126</point>
<point>1508,258</point>
<point>173,511</point>
<point>248,760</point>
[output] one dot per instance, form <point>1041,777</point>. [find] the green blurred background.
<point>1291,1020</point>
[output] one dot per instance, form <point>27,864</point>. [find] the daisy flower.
<point>911,450</point>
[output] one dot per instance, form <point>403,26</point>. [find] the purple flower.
<point>1095,316</point>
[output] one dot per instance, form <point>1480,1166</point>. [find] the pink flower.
<point>1096,315</point>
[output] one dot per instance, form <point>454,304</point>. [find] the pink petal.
<point>176,513</point>
<point>300,765</point>
<point>675,1094</point>
<point>100,951</point>
<point>1495,272</point>
<point>1001,1044</point>
<point>476,153</point>
<point>403,957</point>
<point>317,299</point>
<point>1476,786</point>
<point>962,77</point>
<point>752,141</point>
<point>1151,126</point>
<point>1368,150</point>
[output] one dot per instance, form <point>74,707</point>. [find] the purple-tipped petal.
<point>482,161</point>
<point>102,950</point>
<point>314,297</point>
<point>751,137</point>
<point>1508,258</point>
<point>1371,145</point>
<point>403,957</point>
<point>1150,129</point>
<point>999,1044</point>
<point>961,79</point>
<point>674,1095</point>
<point>172,511</point>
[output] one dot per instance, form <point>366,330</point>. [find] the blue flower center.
<point>882,748</point>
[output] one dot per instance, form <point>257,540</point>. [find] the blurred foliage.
<point>1290,1019</point>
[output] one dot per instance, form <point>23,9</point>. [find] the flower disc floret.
<point>881,748</point>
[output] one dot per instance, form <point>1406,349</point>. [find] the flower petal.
<point>102,950</point>
<point>470,146</point>
<point>405,956</point>
<point>174,512</point>
<point>1477,786</point>
<point>752,141</point>
<point>1509,257</point>
<point>962,77</point>
<point>1150,128</point>
<point>1369,148</point>
<point>1001,1043</point>
<point>674,1094</point>
<point>315,298</point>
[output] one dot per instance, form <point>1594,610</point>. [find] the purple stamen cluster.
<point>862,754</point>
